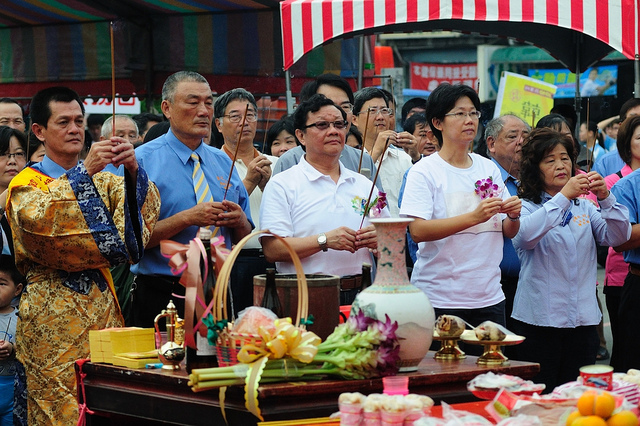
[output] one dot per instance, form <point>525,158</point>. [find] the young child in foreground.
<point>11,284</point>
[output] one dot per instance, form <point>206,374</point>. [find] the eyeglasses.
<point>460,115</point>
<point>17,155</point>
<point>346,107</point>
<point>377,110</point>
<point>324,125</point>
<point>252,117</point>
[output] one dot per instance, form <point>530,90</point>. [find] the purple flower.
<point>387,329</point>
<point>359,322</point>
<point>388,358</point>
<point>485,188</point>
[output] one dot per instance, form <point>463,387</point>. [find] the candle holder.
<point>492,354</point>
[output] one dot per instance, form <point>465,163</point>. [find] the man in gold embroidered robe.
<point>71,222</point>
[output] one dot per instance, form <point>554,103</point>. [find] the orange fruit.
<point>623,418</point>
<point>605,404</point>
<point>592,403</point>
<point>586,403</point>
<point>589,421</point>
<point>571,417</point>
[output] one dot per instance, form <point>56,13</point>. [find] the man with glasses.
<point>255,171</point>
<point>125,128</point>
<point>173,160</point>
<point>504,136</point>
<point>339,91</point>
<point>371,104</point>
<point>317,205</point>
<point>11,114</point>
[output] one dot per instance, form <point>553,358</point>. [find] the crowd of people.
<point>508,235</point>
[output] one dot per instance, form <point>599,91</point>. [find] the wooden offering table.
<point>121,396</point>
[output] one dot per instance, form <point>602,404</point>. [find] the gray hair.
<point>171,83</point>
<point>220,106</point>
<point>107,127</point>
<point>495,126</point>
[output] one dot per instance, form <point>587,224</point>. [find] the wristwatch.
<point>322,241</point>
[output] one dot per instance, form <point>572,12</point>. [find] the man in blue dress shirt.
<point>187,103</point>
<point>611,162</point>
<point>627,192</point>
<point>504,137</point>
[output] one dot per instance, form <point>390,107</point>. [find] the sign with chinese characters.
<point>429,76</point>
<point>526,97</point>
<point>600,81</point>
<point>104,106</point>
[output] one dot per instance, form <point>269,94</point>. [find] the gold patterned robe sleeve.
<point>78,222</point>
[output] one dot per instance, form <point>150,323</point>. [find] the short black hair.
<point>95,119</point>
<point>624,109</point>
<point>8,266</point>
<point>353,130</point>
<point>410,124</point>
<point>34,144</point>
<point>156,131</point>
<point>313,104</point>
<point>144,118</point>
<point>366,94</point>
<point>6,133</point>
<point>40,108</point>
<point>411,104</point>
<point>539,143</point>
<point>310,88</point>
<point>9,101</point>
<point>284,124</point>
<point>625,136</point>
<point>443,99</point>
<point>569,113</point>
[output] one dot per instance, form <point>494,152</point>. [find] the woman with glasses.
<point>317,205</point>
<point>13,149</point>
<point>555,305</point>
<point>13,158</point>
<point>462,210</point>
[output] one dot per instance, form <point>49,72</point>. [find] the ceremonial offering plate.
<point>450,351</point>
<point>492,354</point>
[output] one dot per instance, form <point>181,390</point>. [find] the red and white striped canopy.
<point>609,24</point>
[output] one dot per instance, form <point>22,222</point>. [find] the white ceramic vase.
<point>393,294</point>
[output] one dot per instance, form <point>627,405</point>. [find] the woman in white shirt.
<point>459,224</point>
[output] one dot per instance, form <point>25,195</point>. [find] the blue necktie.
<point>200,184</point>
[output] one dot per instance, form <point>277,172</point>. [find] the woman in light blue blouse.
<point>555,305</point>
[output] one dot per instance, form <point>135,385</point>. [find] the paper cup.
<point>350,414</point>
<point>392,418</point>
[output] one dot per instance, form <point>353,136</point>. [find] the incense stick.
<point>364,140</point>
<point>589,154</point>
<point>373,184</point>
<point>235,154</point>
<point>113,83</point>
<point>264,139</point>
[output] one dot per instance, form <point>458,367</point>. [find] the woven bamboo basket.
<point>229,343</point>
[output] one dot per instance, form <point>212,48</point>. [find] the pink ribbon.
<point>185,259</point>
